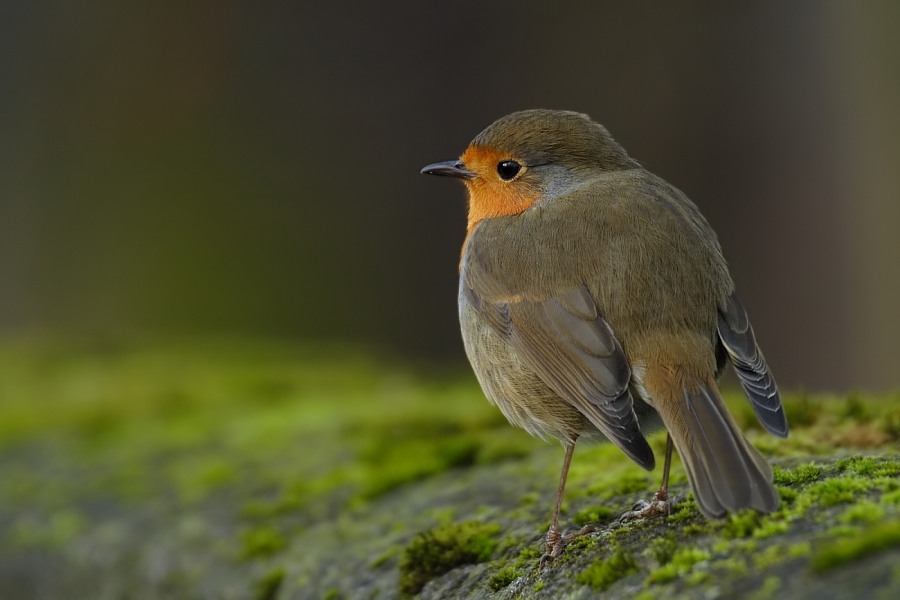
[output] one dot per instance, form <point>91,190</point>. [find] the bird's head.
<point>530,157</point>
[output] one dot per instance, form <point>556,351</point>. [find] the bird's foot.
<point>661,504</point>
<point>556,542</point>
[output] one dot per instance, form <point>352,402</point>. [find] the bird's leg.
<point>661,504</point>
<point>556,542</point>
<point>663,493</point>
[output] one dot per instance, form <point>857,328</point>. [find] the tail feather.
<point>726,472</point>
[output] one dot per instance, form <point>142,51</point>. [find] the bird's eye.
<point>508,169</point>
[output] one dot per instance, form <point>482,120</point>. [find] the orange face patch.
<point>490,196</point>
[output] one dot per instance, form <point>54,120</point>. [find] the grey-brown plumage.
<point>595,302</point>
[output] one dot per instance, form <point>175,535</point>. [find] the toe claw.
<point>660,505</point>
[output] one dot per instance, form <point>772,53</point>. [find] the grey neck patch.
<point>557,180</point>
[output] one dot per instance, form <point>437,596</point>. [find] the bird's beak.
<point>450,168</point>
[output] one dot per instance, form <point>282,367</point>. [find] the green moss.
<point>891,423</point>
<point>529,499</point>
<point>740,525</point>
<point>799,476</point>
<point>592,516</point>
<point>56,532</point>
<point>332,594</point>
<point>799,550</point>
<point>288,502</point>
<point>603,573</point>
<point>787,494</point>
<point>402,462</point>
<point>839,490</point>
<point>768,589</point>
<point>626,485</point>
<point>685,511</point>
<point>863,512</point>
<point>854,408</point>
<point>681,564</point>
<point>891,497</point>
<point>437,551</point>
<point>503,578</point>
<point>197,477</point>
<point>505,443</point>
<point>736,566</point>
<point>695,578</point>
<point>801,410</point>
<point>261,542</point>
<point>159,426</point>
<point>842,551</point>
<point>843,531</point>
<point>696,529</point>
<point>385,556</point>
<point>869,466</point>
<point>664,548</point>
<point>529,553</point>
<point>267,586</point>
<point>583,543</point>
<point>771,526</point>
<point>769,557</point>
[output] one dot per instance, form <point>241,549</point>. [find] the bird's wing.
<point>567,343</point>
<point>750,365</point>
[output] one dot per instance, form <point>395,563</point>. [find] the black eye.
<point>508,169</point>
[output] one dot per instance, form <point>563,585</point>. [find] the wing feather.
<point>737,337</point>
<point>573,350</point>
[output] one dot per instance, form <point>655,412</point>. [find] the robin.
<point>595,304</point>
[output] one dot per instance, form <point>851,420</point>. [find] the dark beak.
<point>450,168</point>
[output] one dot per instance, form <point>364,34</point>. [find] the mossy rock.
<point>230,468</point>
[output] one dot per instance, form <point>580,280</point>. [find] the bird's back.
<point>648,257</point>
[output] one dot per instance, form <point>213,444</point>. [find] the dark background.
<point>252,167</point>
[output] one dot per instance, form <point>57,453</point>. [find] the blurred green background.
<point>252,168</point>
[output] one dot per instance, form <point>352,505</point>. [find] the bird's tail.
<point>726,472</point>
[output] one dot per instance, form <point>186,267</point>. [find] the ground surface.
<point>224,468</point>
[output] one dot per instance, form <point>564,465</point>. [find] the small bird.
<point>595,304</point>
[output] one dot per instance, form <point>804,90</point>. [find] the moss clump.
<point>503,578</point>
<point>664,548</point>
<point>261,542</point>
<point>855,409</point>
<point>801,475</point>
<point>529,553</point>
<point>742,524</point>
<point>891,497</point>
<point>842,490</point>
<point>768,589</point>
<point>684,512</point>
<point>788,495</point>
<point>384,557</point>
<point>437,551</point>
<point>844,550</point>
<point>863,512</point>
<point>593,515</point>
<point>869,466</point>
<point>626,485</point>
<point>332,594</point>
<point>603,573</point>
<point>801,411</point>
<point>267,586</point>
<point>681,564</point>
<point>400,463</point>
